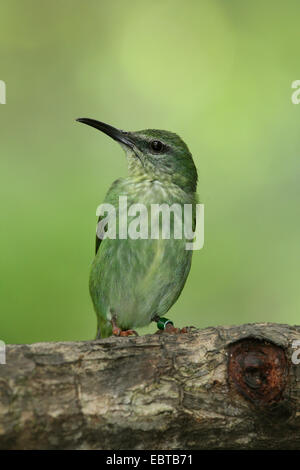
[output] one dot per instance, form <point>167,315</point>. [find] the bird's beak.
<point>113,132</point>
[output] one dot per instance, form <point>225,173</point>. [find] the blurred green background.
<point>219,74</point>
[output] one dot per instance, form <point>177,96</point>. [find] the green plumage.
<point>134,280</point>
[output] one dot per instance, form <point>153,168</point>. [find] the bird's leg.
<point>165,325</point>
<point>116,331</point>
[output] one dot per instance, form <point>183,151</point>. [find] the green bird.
<point>134,281</point>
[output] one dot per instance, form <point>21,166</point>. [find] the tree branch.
<point>216,388</point>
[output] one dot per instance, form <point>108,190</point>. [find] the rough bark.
<point>217,388</point>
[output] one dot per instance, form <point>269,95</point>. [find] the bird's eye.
<point>156,146</point>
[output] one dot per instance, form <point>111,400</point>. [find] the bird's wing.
<point>112,197</point>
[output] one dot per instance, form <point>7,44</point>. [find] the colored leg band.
<point>162,323</point>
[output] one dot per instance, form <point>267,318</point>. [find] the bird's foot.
<point>166,326</point>
<point>128,333</point>
<point>118,332</point>
<point>170,329</point>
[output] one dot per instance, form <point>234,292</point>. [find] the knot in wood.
<point>258,370</point>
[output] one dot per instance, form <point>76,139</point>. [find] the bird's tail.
<point>104,329</point>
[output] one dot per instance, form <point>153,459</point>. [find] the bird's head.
<point>159,155</point>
